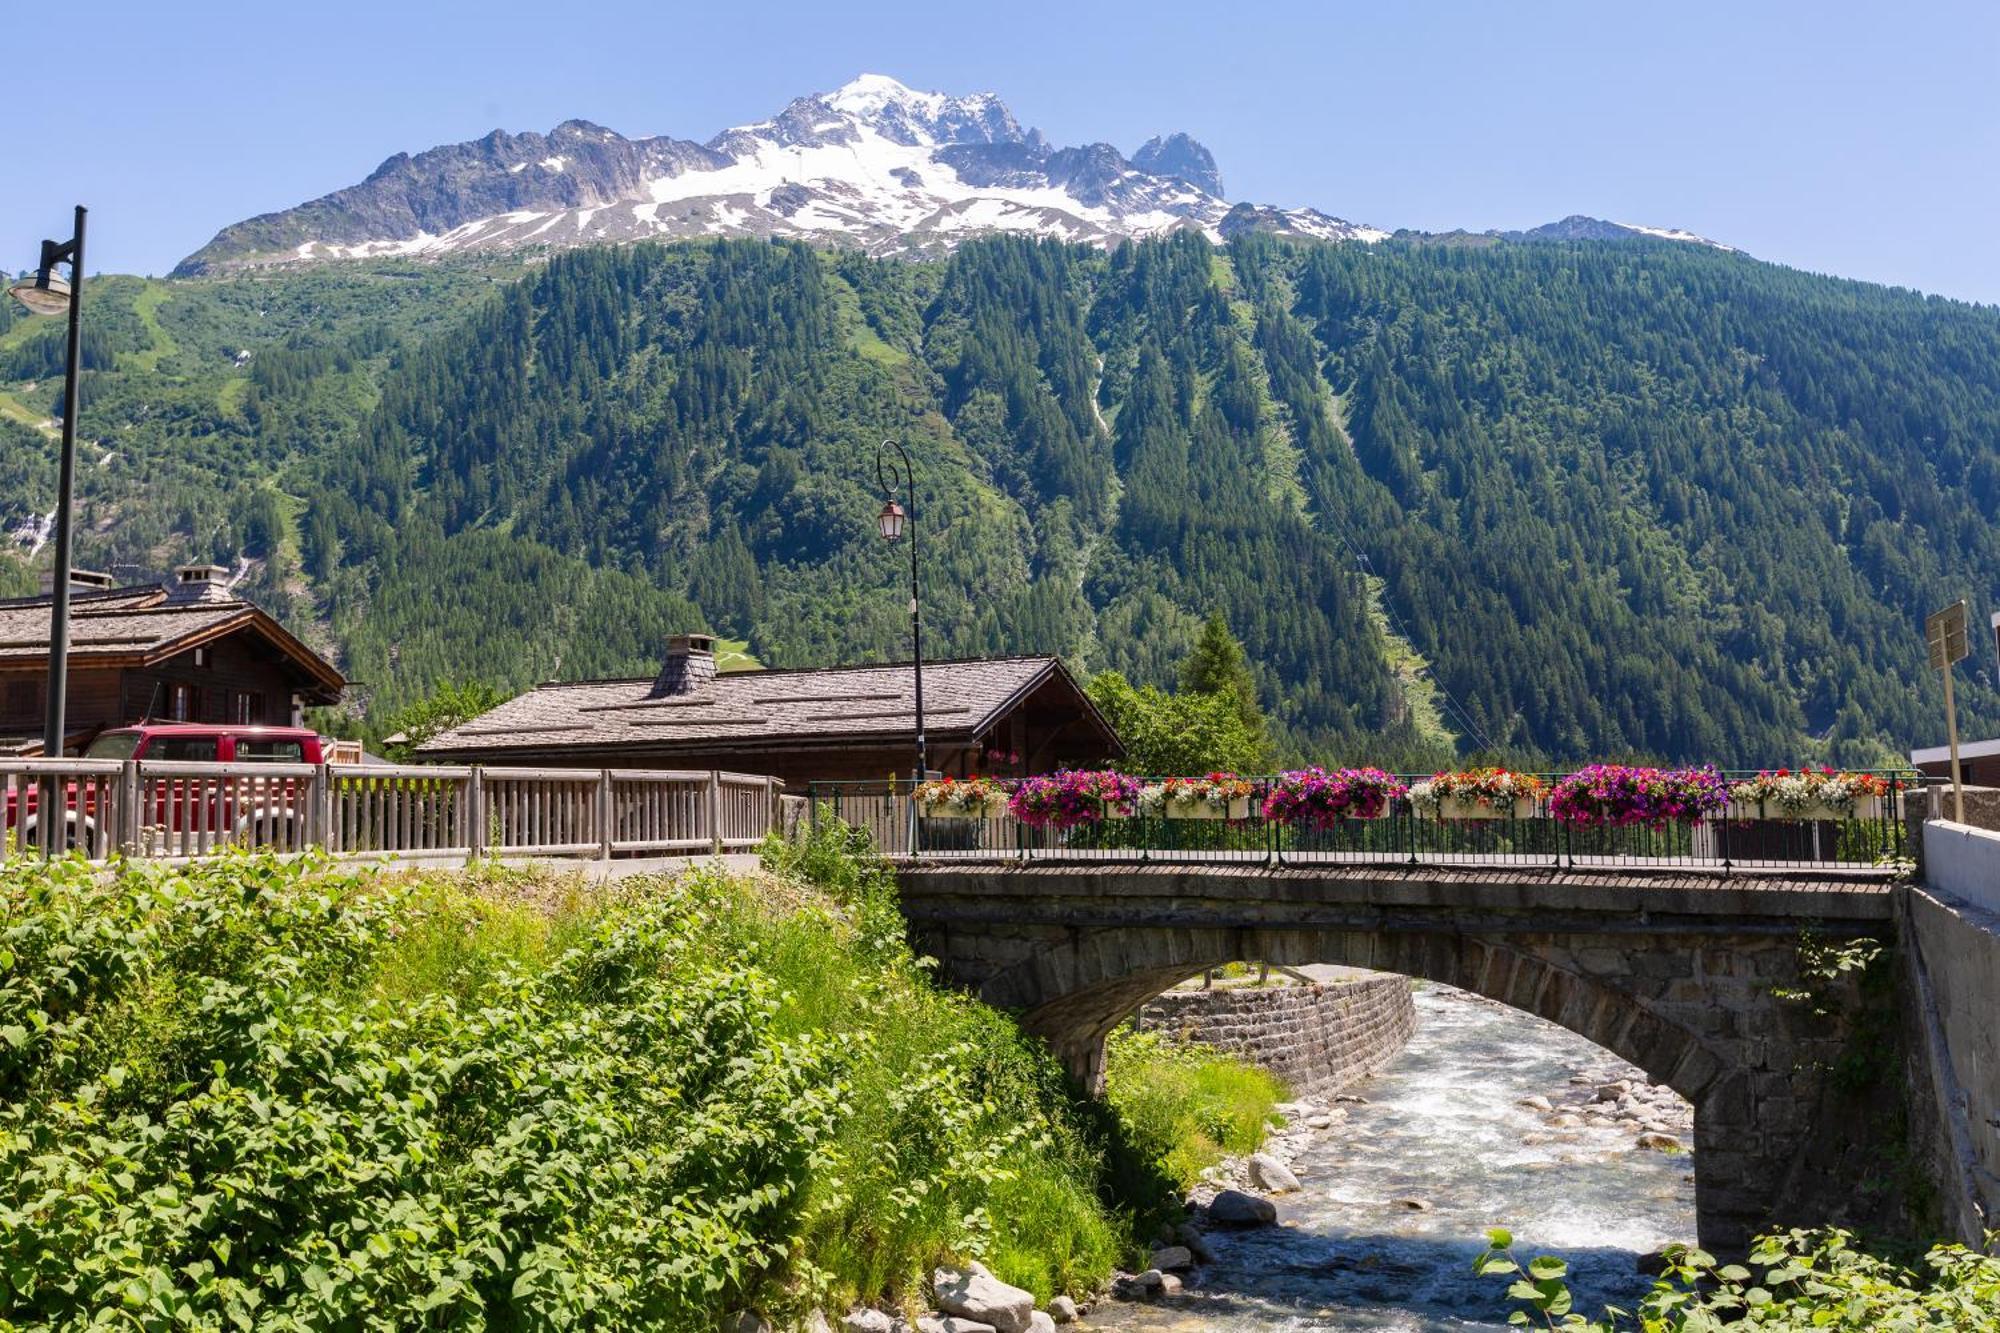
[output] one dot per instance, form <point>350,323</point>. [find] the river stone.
<point>1234,1208</point>
<point>1414,1205</point>
<point>866,1320</point>
<point>1170,1285</point>
<point>816,1323</point>
<point>1268,1173</point>
<point>1197,1244</point>
<point>1171,1258</point>
<point>983,1298</point>
<point>1062,1310</point>
<point>1660,1142</point>
<point>1039,1322</point>
<point>951,1323</point>
<point>1537,1103</point>
<point>749,1321</point>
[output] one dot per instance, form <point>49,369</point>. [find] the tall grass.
<point>1188,1106</point>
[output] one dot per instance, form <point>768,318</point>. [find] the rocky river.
<point>1490,1117</point>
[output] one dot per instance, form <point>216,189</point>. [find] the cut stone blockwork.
<point>1318,1038</point>
<point>1679,974</point>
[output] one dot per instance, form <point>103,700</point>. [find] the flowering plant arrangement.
<point>1072,797</point>
<point>961,798</point>
<point>1478,793</point>
<point>1212,796</point>
<point>1807,793</point>
<point>1316,797</point>
<point>1617,795</point>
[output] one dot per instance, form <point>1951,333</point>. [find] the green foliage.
<point>1187,1106</point>
<point>1217,665</point>
<point>1168,734</point>
<point>1796,1280</point>
<point>253,1093</point>
<point>451,704</point>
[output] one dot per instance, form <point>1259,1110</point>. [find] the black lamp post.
<point>892,521</point>
<point>47,294</point>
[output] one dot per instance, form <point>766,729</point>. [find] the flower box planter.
<point>1466,807</point>
<point>993,807</point>
<point>1238,808</point>
<point>1865,807</point>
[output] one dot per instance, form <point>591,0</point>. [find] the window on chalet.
<point>181,703</point>
<point>204,657</point>
<point>246,708</point>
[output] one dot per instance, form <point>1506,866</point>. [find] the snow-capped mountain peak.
<point>873,163</point>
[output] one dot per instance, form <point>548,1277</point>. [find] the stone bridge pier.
<point>1682,975</point>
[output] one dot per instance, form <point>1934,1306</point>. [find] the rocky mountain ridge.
<point>873,164</point>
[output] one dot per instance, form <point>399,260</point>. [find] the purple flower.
<point>1316,798</point>
<point>1618,796</point>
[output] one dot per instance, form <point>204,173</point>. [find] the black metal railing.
<point>1877,833</point>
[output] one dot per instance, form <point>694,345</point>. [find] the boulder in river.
<point>1041,1322</point>
<point>1537,1103</point>
<point>1234,1208</point>
<point>982,1298</point>
<point>868,1320</point>
<point>951,1323</point>
<point>1268,1173</point>
<point>1660,1142</point>
<point>1171,1258</point>
<point>1062,1310</point>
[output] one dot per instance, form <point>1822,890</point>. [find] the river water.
<point>1442,1125</point>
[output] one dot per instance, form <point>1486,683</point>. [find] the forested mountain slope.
<point>1622,497</point>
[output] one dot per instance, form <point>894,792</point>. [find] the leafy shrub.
<point>1795,1280</point>
<point>1185,1105</point>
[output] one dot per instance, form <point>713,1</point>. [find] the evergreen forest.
<point>1538,502</point>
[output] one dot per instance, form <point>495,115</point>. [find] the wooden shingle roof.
<point>142,625</point>
<point>762,710</point>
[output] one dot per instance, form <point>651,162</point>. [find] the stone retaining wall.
<point>1318,1038</point>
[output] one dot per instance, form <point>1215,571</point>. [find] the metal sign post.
<point>1944,638</point>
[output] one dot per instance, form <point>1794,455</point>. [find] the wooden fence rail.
<point>179,810</point>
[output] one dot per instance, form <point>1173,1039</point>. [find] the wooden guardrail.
<point>151,809</point>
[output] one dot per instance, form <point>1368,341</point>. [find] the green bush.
<point>250,1093</point>
<point>1796,1280</point>
<point>1187,1106</point>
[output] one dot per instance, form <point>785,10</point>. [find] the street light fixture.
<point>892,522</point>
<point>47,294</point>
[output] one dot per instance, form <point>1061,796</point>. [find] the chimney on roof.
<point>689,667</point>
<point>199,583</point>
<point>80,580</point>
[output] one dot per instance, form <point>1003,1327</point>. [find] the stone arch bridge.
<point>1680,973</point>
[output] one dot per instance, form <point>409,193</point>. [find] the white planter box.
<point>1236,809</point>
<point>993,809</point>
<point>1463,807</point>
<point>1865,807</point>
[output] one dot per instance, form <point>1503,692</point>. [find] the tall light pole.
<point>892,521</point>
<point>47,294</point>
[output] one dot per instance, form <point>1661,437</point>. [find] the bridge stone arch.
<point>1681,975</point>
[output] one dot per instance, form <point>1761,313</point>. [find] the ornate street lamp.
<point>47,294</point>
<point>892,522</point>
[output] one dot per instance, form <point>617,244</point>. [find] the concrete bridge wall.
<point>1682,975</point>
<point>1318,1038</point>
<point>1951,926</point>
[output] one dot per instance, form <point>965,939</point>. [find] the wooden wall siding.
<point>100,697</point>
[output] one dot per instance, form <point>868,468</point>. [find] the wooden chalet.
<point>999,717</point>
<point>186,651</point>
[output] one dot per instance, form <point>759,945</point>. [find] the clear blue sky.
<point>1858,139</point>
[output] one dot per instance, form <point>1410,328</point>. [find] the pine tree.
<point>1217,665</point>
